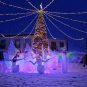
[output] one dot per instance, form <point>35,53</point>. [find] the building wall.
<point>20,43</point>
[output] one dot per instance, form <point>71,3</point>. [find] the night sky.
<point>14,27</point>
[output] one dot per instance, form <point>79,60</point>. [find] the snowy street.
<point>45,80</point>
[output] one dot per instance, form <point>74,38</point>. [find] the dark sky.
<point>14,27</point>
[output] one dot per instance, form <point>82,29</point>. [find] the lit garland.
<point>32,5</point>
<point>22,30</point>
<point>16,18</point>
<point>31,30</point>
<point>67,18</point>
<point>16,14</point>
<point>10,5</point>
<point>48,5</point>
<point>71,13</point>
<point>49,30</point>
<point>62,31</point>
<point>51,14</point>
<point>67,25</point>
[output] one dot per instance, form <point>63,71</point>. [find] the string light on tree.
<point>40,39</point>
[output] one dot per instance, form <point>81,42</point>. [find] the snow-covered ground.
<point>69,79</point>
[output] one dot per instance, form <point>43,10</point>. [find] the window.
<point>53,45</point>
<point>2,44</point>
<point>1,56</point>
<point>61,44</point>
<point>17,43</point>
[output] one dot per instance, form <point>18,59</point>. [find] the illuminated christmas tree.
<point>40,40</point>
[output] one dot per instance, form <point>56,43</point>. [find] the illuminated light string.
<point>71,13</point>
<point>10,5</point>
<point>22,30</point>
<point>13,19</point>
<point>67,18</point>
<point>2,35</point>
<point>48,5</point>
<point>67,25</point>
<point>35,10</point>
<point>32,29</point>
<point>49,30</point>
<point>31,5</point>
<point>35,29</point>
<point>62,31</point>
<point>15,14</point>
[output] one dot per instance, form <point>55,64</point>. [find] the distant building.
<point>20,43</point>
